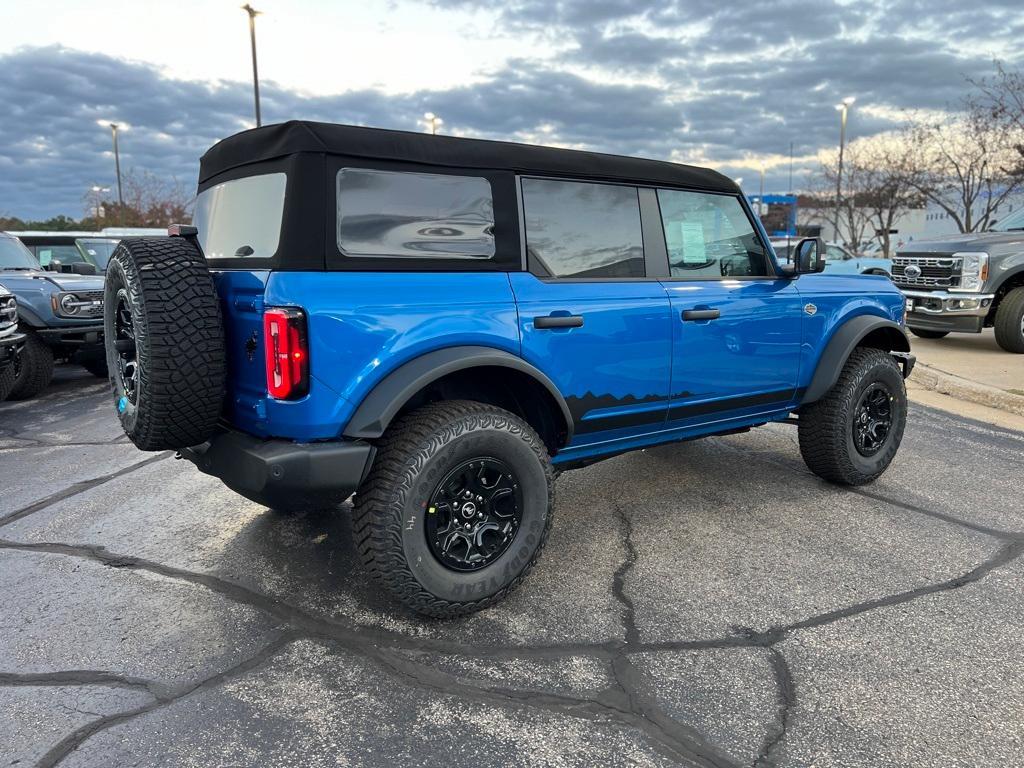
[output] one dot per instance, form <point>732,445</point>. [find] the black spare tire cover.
<point>164,342</point>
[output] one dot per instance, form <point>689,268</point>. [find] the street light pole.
<point>843,107</point>
<point>117,167</point>
<point>253,13</point>
<point>434,121</point>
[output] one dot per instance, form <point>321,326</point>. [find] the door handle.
<point>701,314</point>
<point>558,321</point>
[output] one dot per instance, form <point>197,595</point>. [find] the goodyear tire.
<point>851,435</point>
<point>456,509</point>
<point>33,368</point>
<point>164,342</point>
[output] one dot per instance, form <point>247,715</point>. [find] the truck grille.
<point>96,310</point>
<point>8,315</point>
<point>930,272</point>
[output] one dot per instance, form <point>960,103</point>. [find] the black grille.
<point>96,310</point>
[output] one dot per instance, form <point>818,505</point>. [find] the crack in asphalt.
<point>70,677</point>
<point>80,487</point>
<point>79,736</point>
<point>626,701</point>
<point>786,692</point>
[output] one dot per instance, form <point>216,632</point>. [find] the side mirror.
<point>810,255</point>
<point>54,266</point>
<point>82,268</point>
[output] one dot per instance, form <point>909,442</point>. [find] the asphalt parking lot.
<point>709,603</point>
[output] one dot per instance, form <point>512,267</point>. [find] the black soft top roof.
<point>299,136</point>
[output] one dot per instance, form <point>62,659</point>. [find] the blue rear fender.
<point>362,326</point>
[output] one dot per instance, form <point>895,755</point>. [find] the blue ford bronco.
<point>439,325</point>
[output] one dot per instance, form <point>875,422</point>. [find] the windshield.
<point>241,218</point>
<point>1011,222</point>
<point>99,251</point>
<point>14,255</point>
<point>64,253</point>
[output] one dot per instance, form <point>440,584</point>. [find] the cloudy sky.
<point>713,82</point>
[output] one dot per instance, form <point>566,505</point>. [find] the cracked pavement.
<point>703,604</point>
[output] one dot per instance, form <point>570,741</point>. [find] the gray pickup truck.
<point>964,283</point>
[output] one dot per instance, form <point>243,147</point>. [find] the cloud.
<point>718,83</point>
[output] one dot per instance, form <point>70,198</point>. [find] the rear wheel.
<point>851,435</point>
<point>929,334</point>
<point>33,368</point>
<point>164,342</point>
<point>457,507</point>
<point>1010,321</point>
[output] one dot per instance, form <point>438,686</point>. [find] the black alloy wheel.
<point>124,343</point>
<point>872,419</point>
<point>473,514</point>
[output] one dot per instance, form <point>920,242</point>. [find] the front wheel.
<point>456,509</point>
<point>1010,322</point>
<point>851,435</point>
<point>33,368</point>
<point>929,334</point>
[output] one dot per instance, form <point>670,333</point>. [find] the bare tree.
<point>1001,98</point>
<point>887,172</point>
<point>967,165</point>
<point>149,201</point>
<point>852,222</point>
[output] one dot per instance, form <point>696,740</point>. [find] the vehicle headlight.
<point>974,272</point>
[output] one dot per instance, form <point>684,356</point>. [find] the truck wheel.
<point>929,334</point>
<point>1010,321</point>
<point>852,434</point>
<point>6,381</point>
<point>164,342</point>
<point>457,507</point>
<point>33,368</point>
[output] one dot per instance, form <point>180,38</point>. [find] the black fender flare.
<point>844,340</point>
<point>387,397</point>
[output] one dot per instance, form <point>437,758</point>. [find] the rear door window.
<point>583,230</point>
<point>414,215</point>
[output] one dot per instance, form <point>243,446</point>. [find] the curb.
<point>964,389</point>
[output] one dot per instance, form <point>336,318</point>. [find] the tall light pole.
<point>253,13</point>
<point>760,197</point>
<point>433,121</point>
<point>844,108</point>
<point>114,128</point>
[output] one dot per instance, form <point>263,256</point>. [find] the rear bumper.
<point>274,471</point>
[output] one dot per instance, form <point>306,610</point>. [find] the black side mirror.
<point>810,255</point>
<point>83,268</point>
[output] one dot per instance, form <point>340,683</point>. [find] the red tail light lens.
<point>287,353</point>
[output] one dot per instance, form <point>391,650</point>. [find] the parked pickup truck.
<point>10,341</point>
<point>61,316</point>
<point>966,282</point>
<point>448,322</point>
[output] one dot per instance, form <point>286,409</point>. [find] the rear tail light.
<point>287,353</point>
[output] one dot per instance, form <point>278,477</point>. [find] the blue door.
<point>736,324</point>
<point>588,316</point>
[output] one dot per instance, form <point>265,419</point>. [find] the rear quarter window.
<point>241,218</point>
<point>401,214</point>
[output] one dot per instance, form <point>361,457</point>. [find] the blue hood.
<point>38,280</point>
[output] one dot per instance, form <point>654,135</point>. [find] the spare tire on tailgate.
<point>164,342</point>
